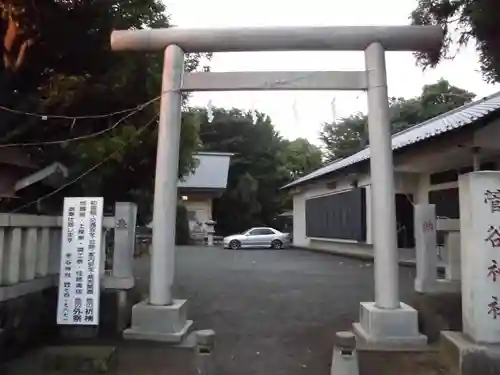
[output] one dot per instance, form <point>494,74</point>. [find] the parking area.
<point>274,311</point>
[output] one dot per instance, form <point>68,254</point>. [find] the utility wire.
<point>91,169</point>
<point>130,112</point>
<point>46,116</point>
<point>267,85</point>
<point>82,137</point>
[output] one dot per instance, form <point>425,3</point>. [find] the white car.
<point>256,238</point>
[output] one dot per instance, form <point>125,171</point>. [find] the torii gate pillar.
<point>385,321</point>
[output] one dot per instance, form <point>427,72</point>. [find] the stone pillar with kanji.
<point>480,253</point>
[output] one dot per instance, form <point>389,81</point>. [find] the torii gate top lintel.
<point>332,38</point>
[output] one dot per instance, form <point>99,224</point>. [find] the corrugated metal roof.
<point>450,120</point>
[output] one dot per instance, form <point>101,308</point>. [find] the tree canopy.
<point>57,60</point>
<point>301,157</point>
<point>471,19</point>
<point>263,162</point>
<point>349,135</point>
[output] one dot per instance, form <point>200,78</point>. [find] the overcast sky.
<point>300,114</point>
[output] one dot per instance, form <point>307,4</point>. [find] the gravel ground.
<point>274,311</point>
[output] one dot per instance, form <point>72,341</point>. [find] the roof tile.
<point>448,121</point>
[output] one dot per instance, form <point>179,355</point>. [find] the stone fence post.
<point>124,243</point>
<point>345,359</point>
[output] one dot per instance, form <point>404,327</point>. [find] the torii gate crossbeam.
<point>384,321</point>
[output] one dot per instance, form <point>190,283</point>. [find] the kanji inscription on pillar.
<point>79,289</point>
<point>494,308</point>
<point>492,198</point>
<point>479,194</point>
<point>428,226</point>
<point>493,236</point>
<point>493,271</point>
<point>492,239</point>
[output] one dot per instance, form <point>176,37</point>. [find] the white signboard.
<point>79,289</point>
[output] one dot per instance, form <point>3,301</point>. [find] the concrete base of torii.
<point>159,323</point>
<point>388,328</point>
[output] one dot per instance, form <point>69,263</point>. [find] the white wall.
<point>406,183</point>
<point>312,191</point>
<point>415,183</point>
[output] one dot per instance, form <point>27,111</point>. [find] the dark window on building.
<point>452,174</point>
<point>405,221</point>
<point>447,202</point>
<point>444,177</point>
<point>337,216</point>
<point>488,166</point>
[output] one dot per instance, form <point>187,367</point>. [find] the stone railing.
<point>427,226</point>
<point>30,251</point>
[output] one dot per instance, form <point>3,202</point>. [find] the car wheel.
<point>277,244</point>
<point>234,245</point>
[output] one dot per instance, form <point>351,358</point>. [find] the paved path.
<point>274,312</point>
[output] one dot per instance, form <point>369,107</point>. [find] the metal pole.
<point>382,180</point>
<point>167,161</point>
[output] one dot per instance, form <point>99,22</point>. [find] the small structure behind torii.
<point>386,320</point>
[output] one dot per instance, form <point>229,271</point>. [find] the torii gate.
<point>386,320</point>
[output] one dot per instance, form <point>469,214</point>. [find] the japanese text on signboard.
<point>78,301</point>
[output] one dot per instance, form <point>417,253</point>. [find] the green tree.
<point>263,162</point>
<point>251,197</point>
<point>67,68</point>
<point>344,137</point>
<point>301,157</point>
<point>473,19</point>
<point>349,135</point>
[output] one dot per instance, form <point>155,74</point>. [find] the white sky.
<point>297,113</point>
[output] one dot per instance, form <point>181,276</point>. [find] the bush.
<point>181,226</point>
